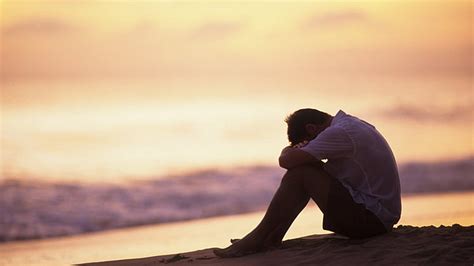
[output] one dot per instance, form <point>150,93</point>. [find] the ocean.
<point>41,209</point>
<point>179,237</point>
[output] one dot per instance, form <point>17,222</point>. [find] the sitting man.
<point>357,189</point>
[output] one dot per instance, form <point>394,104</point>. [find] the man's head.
<point>306,124</point>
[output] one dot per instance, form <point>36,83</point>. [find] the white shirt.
<point>360,158</point>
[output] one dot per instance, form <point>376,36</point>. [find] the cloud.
<point>39,26</point>
<point>459,113</point>
<point>336,19</point>
<point>216,30</point>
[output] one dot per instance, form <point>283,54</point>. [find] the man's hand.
<point>293,156</point>
<point>301,144</point>
<point>289,148</point>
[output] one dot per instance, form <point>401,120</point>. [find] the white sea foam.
<point>42,209</point>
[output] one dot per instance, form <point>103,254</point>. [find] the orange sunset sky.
<point>88,39</point>
<point>128,88</point>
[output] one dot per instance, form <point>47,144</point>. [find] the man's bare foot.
<point>240,247</point>
<point>244,247</point>
<point>230,252</point>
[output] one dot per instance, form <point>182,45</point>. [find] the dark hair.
<point>299,119</point>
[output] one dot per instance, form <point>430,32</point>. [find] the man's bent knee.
<point>308,174</point>
<point>305,169</point>
<point>302,171</point>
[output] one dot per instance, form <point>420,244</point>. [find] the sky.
<point>108,89</point>
<point>89,39</point>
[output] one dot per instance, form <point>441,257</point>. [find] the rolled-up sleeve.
<point>333,142</point>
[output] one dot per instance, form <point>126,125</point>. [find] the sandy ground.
<point>406,245</point>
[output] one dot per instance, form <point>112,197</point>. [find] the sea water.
<point>40,209</point>
<point>179,237</point>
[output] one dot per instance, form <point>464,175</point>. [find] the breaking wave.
<point>30,210</point>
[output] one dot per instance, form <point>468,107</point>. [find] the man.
<point>357,189</point>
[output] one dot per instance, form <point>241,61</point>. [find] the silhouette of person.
<point>357,188</point>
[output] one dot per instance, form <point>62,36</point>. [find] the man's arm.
<point>292,157</point>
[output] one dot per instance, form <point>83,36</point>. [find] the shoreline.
<point>438,195</point>
<point>182,237</point>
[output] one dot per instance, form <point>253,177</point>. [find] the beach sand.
<point>405,245</point>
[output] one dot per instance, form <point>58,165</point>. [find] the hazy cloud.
<point>145,27</point>
<point>461,112</point>
<point>39,26</point>
<point>216,30</point>
<point>339,18</point>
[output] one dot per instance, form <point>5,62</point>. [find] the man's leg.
<point>297,186</point>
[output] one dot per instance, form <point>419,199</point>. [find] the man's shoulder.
<point>347,121</point>
<point>334,133</point>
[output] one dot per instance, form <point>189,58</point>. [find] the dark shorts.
<point>346,217</point>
